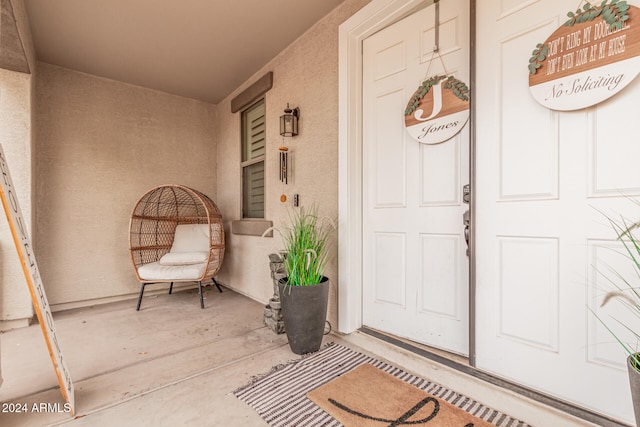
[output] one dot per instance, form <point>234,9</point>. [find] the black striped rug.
<point>279,396</point>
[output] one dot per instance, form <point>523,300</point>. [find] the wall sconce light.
<point>289,121</point>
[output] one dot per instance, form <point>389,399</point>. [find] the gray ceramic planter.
<point>304,309</point>
<point>634,382</point>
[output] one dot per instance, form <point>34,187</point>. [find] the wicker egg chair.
<point>176,235</point>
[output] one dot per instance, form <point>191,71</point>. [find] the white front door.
<point>542,178</point>
<point>415,267</point>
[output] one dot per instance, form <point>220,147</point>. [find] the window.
<point>253,154</point>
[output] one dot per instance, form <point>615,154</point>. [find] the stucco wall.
<point>16,101</point>
<point>22,22</point>
<point>306,76</point>
<point>100,145</point>
<point>15,137</point>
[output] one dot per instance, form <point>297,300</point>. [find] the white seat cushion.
<point>184,258</point>
<point>187,258</point>
<point>171,273</point>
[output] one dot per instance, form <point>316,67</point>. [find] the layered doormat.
<point>339,386</point>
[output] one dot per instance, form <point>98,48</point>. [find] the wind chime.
<point>288,128</point>
<point>284,168</point>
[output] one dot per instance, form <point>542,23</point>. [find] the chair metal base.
<point>171,291</point>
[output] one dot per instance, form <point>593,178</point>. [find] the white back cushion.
<point>191,238</point>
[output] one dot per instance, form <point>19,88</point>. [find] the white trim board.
<point>370,19</point>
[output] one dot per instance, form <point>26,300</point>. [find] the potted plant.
<point>629,295</point>
<point>304,292</point>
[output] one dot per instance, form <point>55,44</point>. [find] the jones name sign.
<point>437,110</point>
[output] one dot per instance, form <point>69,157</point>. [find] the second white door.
<point>415,267</point>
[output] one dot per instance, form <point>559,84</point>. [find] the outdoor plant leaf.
<point>627,292</point>
<point>306,246</point>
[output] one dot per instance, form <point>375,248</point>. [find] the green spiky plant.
<point>625,291</point>
<point>306,246</point>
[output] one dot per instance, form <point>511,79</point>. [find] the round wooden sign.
<point>438,110</point>
<point>593,56</point>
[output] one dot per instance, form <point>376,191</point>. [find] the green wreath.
<point>459,88</point>
<point>613,12</point>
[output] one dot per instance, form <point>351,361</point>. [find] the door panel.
<point>543,179</point>
<point>389,152</point>
<point>389,261</point>
<point>415,268</point>
<point>440,260</point>
<point>440,161</point>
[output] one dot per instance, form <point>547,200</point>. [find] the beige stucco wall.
<point>15,137</point>
<point>306,76</point>
<point>22,22</point>
<point>100,145</point>
<point>16,101</point>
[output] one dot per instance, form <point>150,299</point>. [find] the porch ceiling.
<point>201,49</point>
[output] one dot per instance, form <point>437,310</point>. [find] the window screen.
<point>253,154</point>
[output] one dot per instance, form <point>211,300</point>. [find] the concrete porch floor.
<point>173,364</point>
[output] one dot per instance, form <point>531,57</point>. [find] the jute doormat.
<point>280,396</point>
<point>369,397</point>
